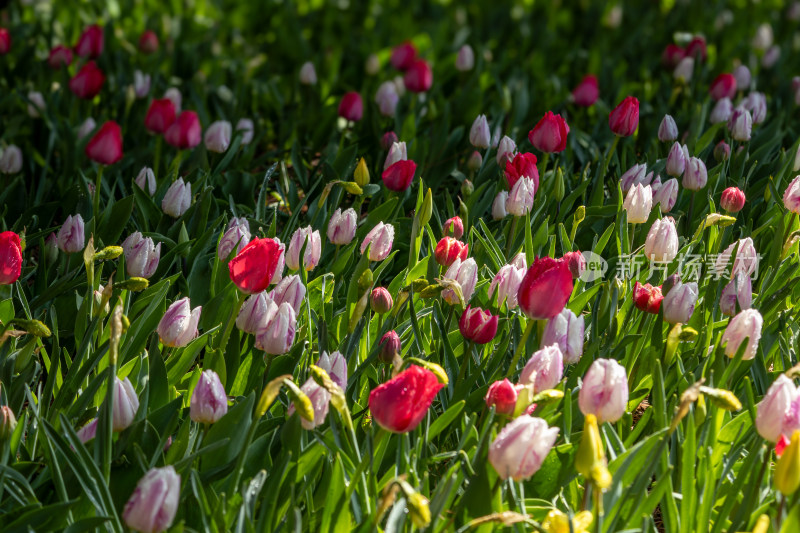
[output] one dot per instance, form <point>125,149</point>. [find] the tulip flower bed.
<point>485,267</point>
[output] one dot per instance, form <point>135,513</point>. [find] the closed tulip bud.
<point>479,135</point>
<point>336,367</point>
<point>177,199</point>
<point>776,412</point>
<point>453,227</point>
<point>722,151</point>
<point>576,263</point>
<point>246,129</point>
<point>684,70</point>
<point>173,94</point>
<point>387,97</point>
<point>604,392</point>
<point>11,159</point>
<point>60,56</point>
<point>290,290</point>
<point>740,125</point>
<point>90,43</point>
<point>50,249</point>
<point>160,116</point>
<point>477,325</point>
<point>233,241</point>
<point>397,152</point>
<point>36,104</point>
<point>679,303</point>
<point>146,180</point>
<point>739,290</point>
<point>153,504</point>
<point>218,136</point>
<point>723,86</point>
<point>70,236</point>
<point>521,447</point>
<point>380,238</point>
<point>787,469</point>
<point>590,460</point>
<point>520,199</point>
<point>742,76</point>
<point>276,334</point>
<point>667,195</point>
<point>746,325</point>
<point>465,273</point>
<point>178,326</point>
<point>259,264</point>
<point>351,107</point>
<point>86,84</point>
<point>647,298</point>
<point>361,176</point>
<point>8,422</point>
<point>403,56</point>
<point>544,369</point>
<point>661,243</point>
<point>722,111</point>
<point>342,226</point>
<point>86,128</point>
<point>418,78</point>
<point>499,205</point>
<point>148,42</point>
<point>141,255</point>
<point>697,48</point>
<point>676,159</point>
<point>667,130</point>
<point>448,250</point>
<point>522,166</point>
<point>566,331</point>
<point>545,288</point>
<point>387,141</point>
<point>390,347</point>
<point>732,200</point>
<point>253,312</point>
<point>696,176</point>
<point>586,93</point>
<point>126,403</point>
<point>550,134</point>
<point>465,59</point>
<point>10,257</point>
<point>756,103</point>
<point>771,57</point>
<point>209,402</point>
<point>141,84</point>
<point>105,147</point>
<point>745,261</point>
<point>398,177</point>
<point>502,395</point>
<point>633,176</point>
<point>380,300</point>
<point>400,404</point>
<point>638,204</point>
<point>672,55</point>
<point>791,196</point>
<point>313,248</point>
<point>185,133</point>
<point>505,150</point>
<point>624,119</point>
<point>308,75</point>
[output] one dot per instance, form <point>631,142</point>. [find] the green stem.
<point>240,298</point>
<point>520,347</point>
<point>109,414</point>
<point>465,362</point>
<point>157,159</point>
<point>609,155</point>
<point>96,205</point>
<point>511,234</point>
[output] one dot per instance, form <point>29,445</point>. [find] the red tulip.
<point>185,132</point>
<point>160,116</point>
<point>576,263</point>
<point>60,56</point>
<point>10,257</point>
<point>647,298</point>
<point>545,289</point>
<point>723,86</point>
<point>672,55</point>
<point>624,119</point>
<point>351,107</point>
<point>5,41</point>
<point>502,395</point>
<point>390,347</point>
<point>88,81</point>
<point>585,94</point>
<point>403,56</point>
<point>400,404</point>
<point>399,175</point>
<point>148,42</point>
<point>550,134</point>
<point>697,48</point>
<point>105,147</point>
<point>448,250</point>
<point>523,165</point>
<point>90,43</point>
<point>453,227</point>
<point>732,200</point>
<point>252,268</point>
<point>388,139</point>
<point>477,325</point>
<point>419,76</point>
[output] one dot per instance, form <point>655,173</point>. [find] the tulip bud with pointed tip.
<point>342,226</point>
<point>777,411</point>
<point>604,392</point>
<point>499,206</point>
<point>742,76</point>
<point>313,248</point>
<point>387,98</point>
<point>787,470</point>
<point>667,195</point>
<point>624,119</point>
<point>722,151</point>
<point>390,347</point>
<point>252,312</point>
<point>676,159</point>
<point>739,290</point>
<point>146,180</point>
<point>661,243</point>
<point>550,134</point>
<point>351,106</point>
<point>465,59</point>
<point>544,369</point>
<point>505,150</point>
<point>11,159</point>
<point>746,325</point>
<point>638,204</point>
<point>71,235</point>
<point>153,504</point>
<point>791,196</point>
<point>545,288</point>
<point>105,146</point>
<point>723,86</point>
<point>209,402</point>
<point>177,199</point>
<point>381,300</point>
<point>520,199</point>
<point>141,255</point>
<point>185,132</point>
<point>667,130</point>
<point>418,78</point>
<point>88,81</point>
<point>290,290</point>
<point>361,174</point>
<point>8,422</point>
<point>740,125</point>
<point>217,137</point>
<point>308,74</point>
<point>722,111</point>
<point>502,395</point>
<point>276,333</point>
<point>521,447</point>
<point>465,274</point>
<point>381,238</point>
<point>590,460</point>
<point>479,134</point>
<point>233,241</point>
<point>126,403</point>
<point>565,330</point>
<point>696,176</point>
<point>679,303</point>
<point>178,326</point>
<point>586,93</point>
<point>160,115</point>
